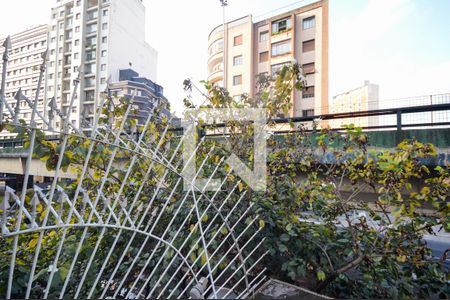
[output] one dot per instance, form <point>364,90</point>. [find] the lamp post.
<point>225,43</point>
<point>7,46</point>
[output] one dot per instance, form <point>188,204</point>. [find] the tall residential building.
<point>247,48</point>
<point>102,37</point>
<point>25,59</point>
<point>363,98</point>
<point>146,94</point>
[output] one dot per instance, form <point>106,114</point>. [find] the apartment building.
<point>245,47</point>
<point>25,60</point>
<point>363,98</point>
<point>101,37</point>
<point>147,95</point>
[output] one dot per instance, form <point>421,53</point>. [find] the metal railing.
<point>146,236</point>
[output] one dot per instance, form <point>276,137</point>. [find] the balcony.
<point>215,76</point>
<point>92,15</point>
<point>284,35</point>
<point>92,4</point>
<point>215,49</point>
<point>215,57</point>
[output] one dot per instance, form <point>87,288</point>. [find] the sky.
<point>402,45</point>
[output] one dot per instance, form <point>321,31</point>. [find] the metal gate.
<point>114,221</point>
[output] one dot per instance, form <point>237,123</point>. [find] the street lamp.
<point>225,43</point>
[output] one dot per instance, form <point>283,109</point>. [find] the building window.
<point>105,26</point>
<point>237,60</point>
<point>89,82</point>
<point>90,55</point>
<point>89,96</point>
<point>103,67</point>
<point>238,40</point>
<point>263,36</point>
<point>105,12</point>
<point>309,68</point>
<point>281,25</point>
<point>103,80</point>
<point>308,92</point>
<point>89,69</point>
<point>91,28</point>
<point>237,80</point>
<point>104,40</point>
<point>276,69</point>
<point>104,53</point>
<point>75,56</point>
<point>281,48</point>
<point>309,22</point>
<point>91,41</point>
<point>78,16</point>
<point>308,113</point>
<point>309,46</point>
<point>77,29</point>
<point>264,56</point>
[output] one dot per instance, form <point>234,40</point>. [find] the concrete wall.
<point>127,40</point>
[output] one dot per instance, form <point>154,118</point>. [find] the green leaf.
<point>262,224</point>
<point>321,275</point>
<point>282,248</point>
<point>205,218</point>
<point>289,227</point>
<point>241,186</point>
<point>284,237</point>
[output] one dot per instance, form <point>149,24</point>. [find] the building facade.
<point>244,48</point>
<point>23,69</point>
<point>101,37</point>
<point>148,97</point>
<point>363,98</point>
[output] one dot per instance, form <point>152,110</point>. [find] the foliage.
<point>130,184</point>
<point>339,218</point>
<point>320,233</point>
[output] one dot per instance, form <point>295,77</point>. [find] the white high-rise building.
<point>102,37</point>
<point>23,69</point>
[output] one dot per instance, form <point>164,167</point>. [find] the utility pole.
<point>7,46</point>
<point>225,44</point>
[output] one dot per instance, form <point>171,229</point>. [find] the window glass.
<point>309,22</point>
<point>263,36</point>
<point>281,48</point>
<point>237,80</point>
<point>237,60</point>
<point>281,25</point>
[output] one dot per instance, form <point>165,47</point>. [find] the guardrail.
<point>397,112</point>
